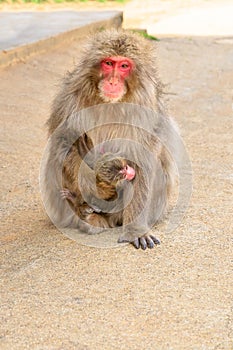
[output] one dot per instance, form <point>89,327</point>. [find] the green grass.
<point>145,34</point>
<point>151,37</point>
<point>31,1</point>
<point>61,1</point>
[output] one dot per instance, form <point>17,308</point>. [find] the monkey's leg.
<point>145,210</point>
<point>89,229</point>
<point>93,224</point>
<point>97,220</point>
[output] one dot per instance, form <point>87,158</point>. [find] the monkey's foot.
<point>146,241</point>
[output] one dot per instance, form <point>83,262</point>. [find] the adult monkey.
<point>115,67</point>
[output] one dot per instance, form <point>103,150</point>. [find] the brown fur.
<point>108,179</point>
<point>80,90</point>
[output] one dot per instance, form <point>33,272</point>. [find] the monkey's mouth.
<point>113,94</point>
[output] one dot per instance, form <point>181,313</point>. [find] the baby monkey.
<point>111,173</point>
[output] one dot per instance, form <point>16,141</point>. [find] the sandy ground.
<point>56,294</point>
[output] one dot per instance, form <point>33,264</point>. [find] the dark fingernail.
<point>136,244</point>
<point>151,244</point>
<point>155,240</point>
<point>143,243</point>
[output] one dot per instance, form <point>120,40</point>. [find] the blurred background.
<point>159,17</point>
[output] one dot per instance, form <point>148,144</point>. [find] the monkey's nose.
<point>114,81</point>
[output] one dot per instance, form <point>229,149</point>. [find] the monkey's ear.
<point>83,144</point>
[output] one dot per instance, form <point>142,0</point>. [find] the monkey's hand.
<point>146,241</point>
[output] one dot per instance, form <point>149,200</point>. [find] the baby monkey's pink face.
<point>110,169</point>
<point>114,71</point>
<point>128,173</point>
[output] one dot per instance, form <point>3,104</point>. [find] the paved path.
<point>25,33</point>
<point>59,295</point>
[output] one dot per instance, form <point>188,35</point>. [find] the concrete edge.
<point>21,53</point>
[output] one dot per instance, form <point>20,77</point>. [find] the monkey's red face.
<point>114,71</point>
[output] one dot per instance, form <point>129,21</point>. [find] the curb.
<point>21,53</point>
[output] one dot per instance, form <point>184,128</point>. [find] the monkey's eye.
<point>108,63</point>
<point>124,65</point>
